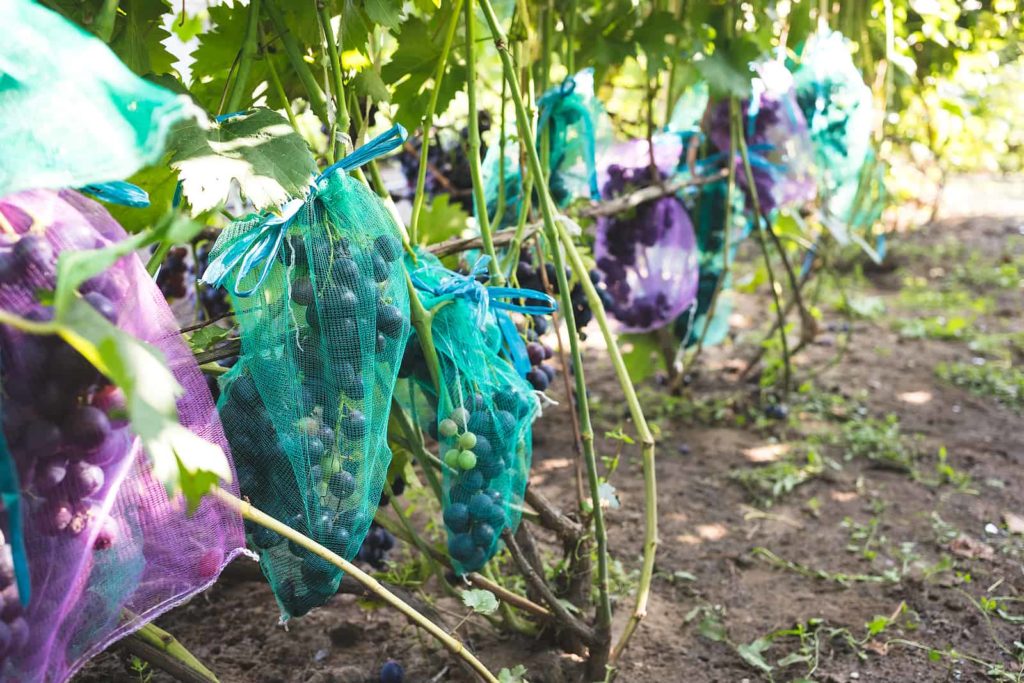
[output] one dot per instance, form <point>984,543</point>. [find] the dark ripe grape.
<point>326,435</point>
<point>42,438</point>
<point>531,336</point>
<point>302,291</point>
<point>495,515</point>
<point>351,381</point>
<point>50,474</point>
<point>312,317</point>
<point>87,427</point>
<point>472,480</point>
<point>103,305</point>
<point>398,486</point>
<point>316,569</point>
<point>549,370</point>
<point>33,251</point>
<point>314,448</point>
<point>12,607</point>
<point>381,269</point>
<point>506,399</point>
<point>84,479</point>
<point>341,484</point>
<point>480,507</point>
<point>71,367</point>
<point>389,320</point>
<point>389,247</point>
<point>53,399</point>
<point>483,535</point>
<point>345,271</point>
<point>456,517</point>
<point>353,425</point>
<point>214,386</point>
<point>19,634</point>
<point>461,547</point>
<point>382,343</point>
<point>339,302</point>
<point>538,379</point>
<point>382,538</point>
<point>6,637</point>
<point>10,269</point>
<point>338,538</point>
<point>490,467</point>
<point>505,422</point>
<point>525,272</point>
<point>548,352</point>
<point>392,672</point>
<point>244,390</point>
<point>294,252</point>
<point>540,324</point>
<point>107,535</point>
<point>263,538</point>
<point>536,353</point>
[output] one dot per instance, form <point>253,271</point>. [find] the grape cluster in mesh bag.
<point>306,406</point>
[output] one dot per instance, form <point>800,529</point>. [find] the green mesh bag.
<point>71,113</point>
<point>322,302</point>
<point>483,412</point>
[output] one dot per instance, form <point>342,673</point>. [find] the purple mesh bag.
<point>647,256</point>
<point>778,140</point>
<point>107,550</point>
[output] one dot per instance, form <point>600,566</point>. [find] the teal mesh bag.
<point>500,167</point>
<point>322,302</point>
<point>71,113</point>
<point>576,123</point>
<point>838,107</point>
<point>484,411</point>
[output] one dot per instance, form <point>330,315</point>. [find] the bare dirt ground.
<point>837,544</point>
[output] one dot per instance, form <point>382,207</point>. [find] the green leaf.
<point>751,654</point>
<point>259,150</point>
<point>159,181</point>
<point>480,601</point>
<point>387,13</point>
<point>184,462</point>
<point>207,337</point>
<point>514,675</point>
<point>441,220</point>
<point>712,628</point>
<point>138,36</point>
<point>368,83</point>
<point>641,354</point>
<point>723,77</point>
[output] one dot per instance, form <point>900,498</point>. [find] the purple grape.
<point>110,450</point>
<point>111,400</point>
<point>536,353</point>
<point>392,672</point>
<point>85,479</point>
<point>6,638</point>
<point>53,399</point>
<point>88,427</point>
<point>302,291</point>
<point>12,607</point>
<point>42,438</point>
<point>538,379</point>
<point>103,305</point>
<point>50,474</point>
<point>34,251</point>
<point>10,269</point>
<point>19,634</point>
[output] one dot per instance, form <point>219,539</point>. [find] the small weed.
<point>768,483</point>
<point>938,327</point>
<point>879,441</point>
<point>1000,381</point>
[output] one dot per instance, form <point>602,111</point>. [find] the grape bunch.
<point>540,374</point>
<point>297,425</point>
<point>214,300</point>
<point>481,442</point>
<point>529,277</point>
<point>173,273</point>
<point>65,424</point>
<point>448,158</point>
<point>375,547</point>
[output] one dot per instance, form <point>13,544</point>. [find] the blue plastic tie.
<point>261,244</point>
<point>10,494</point>
<point>119,192</point>
<point>455,285</point>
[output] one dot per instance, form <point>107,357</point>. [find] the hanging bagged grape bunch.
<point>106,549</point>
<point>647,255</point>
<point>484,409</point>
<point>324,314</point>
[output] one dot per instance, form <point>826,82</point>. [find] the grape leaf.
<point>159,181</point>
<point>723,77</point>
<point>387,13</point>
<point>641,355</point>
<point>138,35</point>
<point>182,461</point>
<point>516,674</point>
<point>751,654</point>
<point>440,220</point>
<point>480,601</point>
<point>207,337</point>
<point>259,150</point>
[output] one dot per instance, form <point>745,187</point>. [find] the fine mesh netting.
<point>306,407</point>
<point>107,550</point>
<point>50,68</point>
<point>648,256</point>
<point>838,107</point>
<point>483,413</point>
<point>577,130</point>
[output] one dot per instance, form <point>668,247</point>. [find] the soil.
<point>938,552</point>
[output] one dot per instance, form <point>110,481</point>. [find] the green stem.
<point>772,281</point>
<point>247,511</point>
<point>160,648</point>
<point>106,17</point>
<point>499,210</point>
<point>250,48</point>
<point>153,264</point>
<point>428,121</point>
<point>275,83</point>
<point>419,451</point>
<point>337,80</point>
<point>26,325</point>
<point>516,245</point>
<point>526,137</point>
<point>474,149</point>
<point>569,37</point>
<point>317,99</point>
